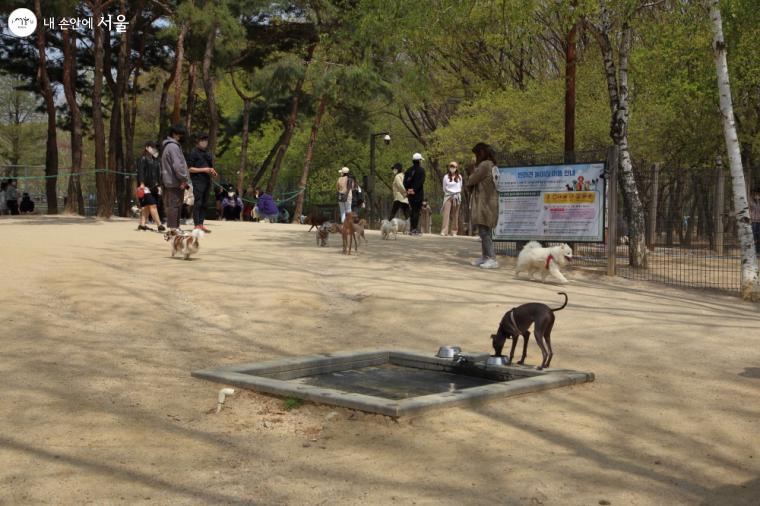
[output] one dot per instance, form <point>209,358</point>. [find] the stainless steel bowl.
<point>497,361</point>
<point>448,351</point>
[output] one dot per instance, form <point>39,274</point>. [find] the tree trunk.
<point>618,94</point>
<point>179,56</point>
<point>51,148</point>
<point>191,84</point>
<point>208,86</point>
<point>307,161</point>
<point>291,127</point>
<point>74,201</point>
<point>570,58</point>
<point>244,145</point>
<point>750,284</point>
<point>104,181</point>
<point>268,160</point>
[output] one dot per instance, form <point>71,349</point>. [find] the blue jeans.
<point>345,207</point>
<point>486,242</point>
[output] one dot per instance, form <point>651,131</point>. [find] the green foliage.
<point>292,403</point>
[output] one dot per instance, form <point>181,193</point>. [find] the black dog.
<point>516,323</point>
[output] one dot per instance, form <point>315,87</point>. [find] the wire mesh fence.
<point>691,235</point>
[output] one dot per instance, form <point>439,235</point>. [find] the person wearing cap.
<point>400,200</point>
<point>148,180</point>
<point>174,174</point>
<point>414,182</point>
<point>484,203</point>
<point>345,191</point>
<point>452,199</point>
<point>201,166</point>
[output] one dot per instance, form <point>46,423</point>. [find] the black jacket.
<point>148,171</point>
<point>199,158</point>
<point>414,179</point>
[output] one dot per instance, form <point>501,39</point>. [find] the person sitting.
<point>27,204</point>
<point>232,207</point>
<point>265,209</point>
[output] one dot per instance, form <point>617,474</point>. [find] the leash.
<point>548,260</point>
<point>512,318</point>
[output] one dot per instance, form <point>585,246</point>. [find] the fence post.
<point>612,211</point>
<point>720,196</point>
<point>652,239</point>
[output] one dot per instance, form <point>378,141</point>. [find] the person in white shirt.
<point>452,200</point>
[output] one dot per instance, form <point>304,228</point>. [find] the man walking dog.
<point>174,175</point>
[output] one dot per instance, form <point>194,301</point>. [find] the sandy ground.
<point>100,329</point>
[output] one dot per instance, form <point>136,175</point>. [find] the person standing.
<point>400,199</point>
<point>414,182</point>
<point>754,216</point>
<point>357,196</point>
<point>174,174</point>
<point>452,200</point>
<point>148,179</point>
<point>484,203</point>
<point>11,197</point>
<point>201,166</point>
<point>345,192</point>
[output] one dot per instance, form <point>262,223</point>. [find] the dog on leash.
<point>387,228</point>
<point>184,244</point>
<point>402,226</point>
<point>533,258</point>
<point>323,234</point>
<point>349,234</point>
<point>516,323</point>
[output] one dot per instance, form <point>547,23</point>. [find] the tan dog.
<point>349,234</point>
<point>359,231</point>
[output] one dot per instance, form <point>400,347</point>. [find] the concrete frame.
<point>272,377</point>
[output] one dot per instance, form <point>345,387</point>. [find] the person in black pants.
<point>400,199</point>
<point>201,166</point>
<point>414,182</point>
<point>148,179</point>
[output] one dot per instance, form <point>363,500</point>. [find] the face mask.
<point>230,195</point>
<point>452,170</point>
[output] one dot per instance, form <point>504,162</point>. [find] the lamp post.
<point>371,181</point>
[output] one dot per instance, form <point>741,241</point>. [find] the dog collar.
<point>548,260</point>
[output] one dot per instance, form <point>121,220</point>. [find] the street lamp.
<point>371,181</point>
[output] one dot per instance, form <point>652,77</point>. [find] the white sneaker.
<point>478,262</point>
<point>490,264</point>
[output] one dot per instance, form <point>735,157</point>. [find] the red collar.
<point>549,259</point>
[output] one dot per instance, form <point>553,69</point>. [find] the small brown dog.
<point>349,234</point>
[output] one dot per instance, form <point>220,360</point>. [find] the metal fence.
<point>691,234</point>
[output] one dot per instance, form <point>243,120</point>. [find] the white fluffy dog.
<point>402,226</point>
<point>387,228</point>
<point>533,258</point>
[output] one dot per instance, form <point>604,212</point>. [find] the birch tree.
<point>617,87</point>
<point>750,285</point>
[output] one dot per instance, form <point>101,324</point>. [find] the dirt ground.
<point>100,328</point>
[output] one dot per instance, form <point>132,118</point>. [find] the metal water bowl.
<point>497,361</point>
<point>448,351</point>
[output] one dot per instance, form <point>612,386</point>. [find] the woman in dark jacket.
<point>148,178</point>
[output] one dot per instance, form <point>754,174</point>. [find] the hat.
<point>344,170</point>
<point>417,157</point>
<point>201,136</point>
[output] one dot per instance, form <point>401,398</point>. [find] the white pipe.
<point>224,392</point>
